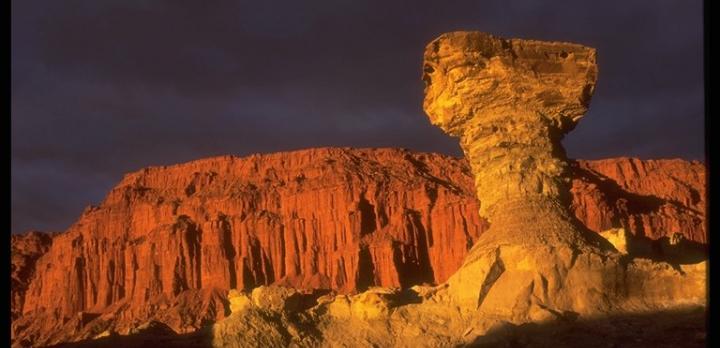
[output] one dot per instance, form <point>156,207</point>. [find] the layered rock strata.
<point>168,238</point>
<point>652,198</point>
<point>160,253</point>
<point>403,211</point>
<point>510,102</point>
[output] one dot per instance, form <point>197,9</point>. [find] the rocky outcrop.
<point>385,317</point>
<point>324,218</point>
<point>25,250</point>
<point>510,102</point>
<point>649,198</point>
<point>160,253</point>
<point>331,218</point>
<point>407,319</point>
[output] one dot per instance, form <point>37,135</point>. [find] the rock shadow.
<point>671,328</point>
<point>158,335</point>
<point>674,252</point>
<point>636,204</point>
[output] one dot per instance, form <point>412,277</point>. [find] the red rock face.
<point>25,250</point>
<point>652,198</point>
<point>321,218</point>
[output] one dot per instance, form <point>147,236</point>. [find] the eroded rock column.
<point>510,102</point>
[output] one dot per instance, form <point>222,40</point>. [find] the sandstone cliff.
<point>324,218</point>
<point>641,196</point>
<point>25,249</point>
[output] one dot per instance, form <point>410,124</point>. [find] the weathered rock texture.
<point>648,198</point>
<point>326,218</point>
<point>511,102</point>
<point>323,218</point>
<point>159,254</point>
<point>25,249</point>
<point>383,317</point>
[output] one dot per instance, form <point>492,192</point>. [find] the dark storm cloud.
<point>102,88</point>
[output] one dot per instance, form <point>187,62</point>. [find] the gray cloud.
<point>100,89</point>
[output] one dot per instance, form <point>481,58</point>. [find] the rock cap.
<point>474,74</point>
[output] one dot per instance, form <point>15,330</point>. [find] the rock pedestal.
<point>510,102</point>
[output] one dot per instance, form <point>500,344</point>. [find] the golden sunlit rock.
<point>511,102</point>
<point>618,238</point>
<point>231,252</point>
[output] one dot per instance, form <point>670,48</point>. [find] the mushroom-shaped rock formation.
<point>511,102</point>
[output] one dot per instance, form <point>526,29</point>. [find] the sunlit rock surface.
<point>510,102</point>
<point>371,226</point>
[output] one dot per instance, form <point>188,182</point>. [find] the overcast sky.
<point>103,88</point>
